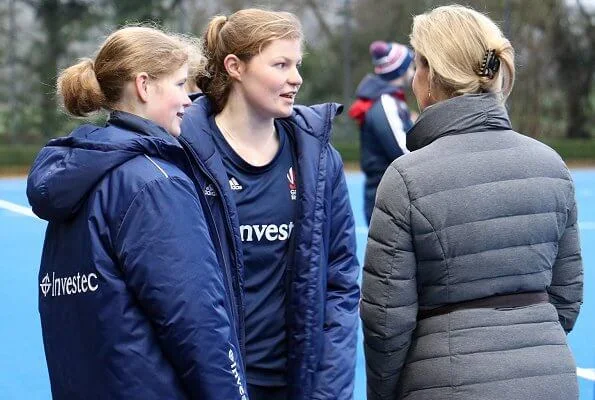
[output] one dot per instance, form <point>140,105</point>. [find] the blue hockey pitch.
<point>23,373</point>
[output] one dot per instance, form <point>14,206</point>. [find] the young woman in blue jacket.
<point>280,187</point>
<point>134,299</point>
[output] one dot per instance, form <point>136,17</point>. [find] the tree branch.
<point>321,21</point>
<point>583,11</point>
<point>175,4</point>
<point>30,3</point>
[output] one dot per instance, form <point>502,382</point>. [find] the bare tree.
<point>61,22</point>
<point>573,46</point>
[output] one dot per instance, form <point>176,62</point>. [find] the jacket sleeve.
<point>566,290</point>
<point>170,266</point>
<point>389,292</point>
<point>336,372</point>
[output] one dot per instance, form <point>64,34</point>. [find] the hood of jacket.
<point>372,87</point>
<point>459,115</point>
<point>68,168</point>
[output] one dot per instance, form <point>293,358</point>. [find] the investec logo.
<point>271,232</point>
<point>68,285</point>
<point>236,374</point>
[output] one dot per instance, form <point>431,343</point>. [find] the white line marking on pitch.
<point>586,373</point>
<point>17,209</point>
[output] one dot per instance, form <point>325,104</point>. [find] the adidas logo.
<point>210,191</point>
<point>234,184</point>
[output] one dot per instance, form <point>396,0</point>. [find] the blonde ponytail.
<point>91,85</point>
<point>80,90</point>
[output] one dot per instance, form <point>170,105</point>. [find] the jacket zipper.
<point>238,307</point>
<point>291,257</point>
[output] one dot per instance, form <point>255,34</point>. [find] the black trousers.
<point>267,392</point>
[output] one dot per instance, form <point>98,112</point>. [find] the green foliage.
<point>321,71</point>
<point>349,150</point>
<point>17,155</point>
<point>571,150</point>
<point>550,91</point>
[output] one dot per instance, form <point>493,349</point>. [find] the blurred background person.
<point>382,114</point>
<point>473,271</point>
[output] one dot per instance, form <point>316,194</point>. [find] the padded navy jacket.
<point>378,144</point>
<point>322,312</point>
<point>134,302</point>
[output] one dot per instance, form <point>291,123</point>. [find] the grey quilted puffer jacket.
<point>475,210</point>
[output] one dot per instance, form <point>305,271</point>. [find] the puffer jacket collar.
<point>314,120</point>
<point>459,115</point>
<point>196,122</point>
<point>67,168</point>
<point>372,87</point>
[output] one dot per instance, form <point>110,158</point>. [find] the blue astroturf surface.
<point>23,373</point>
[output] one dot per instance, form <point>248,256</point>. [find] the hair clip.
<point>490,64</point>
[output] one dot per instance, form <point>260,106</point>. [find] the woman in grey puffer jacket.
<point>473,273</point>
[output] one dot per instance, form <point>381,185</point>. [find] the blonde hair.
<point>245,34</point>
<point>452,41</point>
<point>92,85</point>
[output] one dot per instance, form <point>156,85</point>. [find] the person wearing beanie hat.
<point>391,60</point>
<point>382,114</point>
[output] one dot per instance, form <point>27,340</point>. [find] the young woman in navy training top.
<point>133,299</point>
<point>283,188</point>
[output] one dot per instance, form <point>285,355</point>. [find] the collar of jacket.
<point>140,125</point>
<point>459,115</point>
<point>68,168</point>
<point>315,121</point>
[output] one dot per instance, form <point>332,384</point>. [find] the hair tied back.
<point>490,64</point>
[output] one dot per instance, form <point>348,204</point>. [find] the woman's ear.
<point>141,83</point>
<point>234,66</point>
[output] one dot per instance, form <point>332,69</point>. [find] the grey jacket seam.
<point>487,183</point>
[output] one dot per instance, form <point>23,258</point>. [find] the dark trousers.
<point>267,392</point>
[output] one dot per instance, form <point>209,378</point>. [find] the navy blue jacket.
<point>378,145</point>
<point>322,311</point>
<point>133,299</point>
